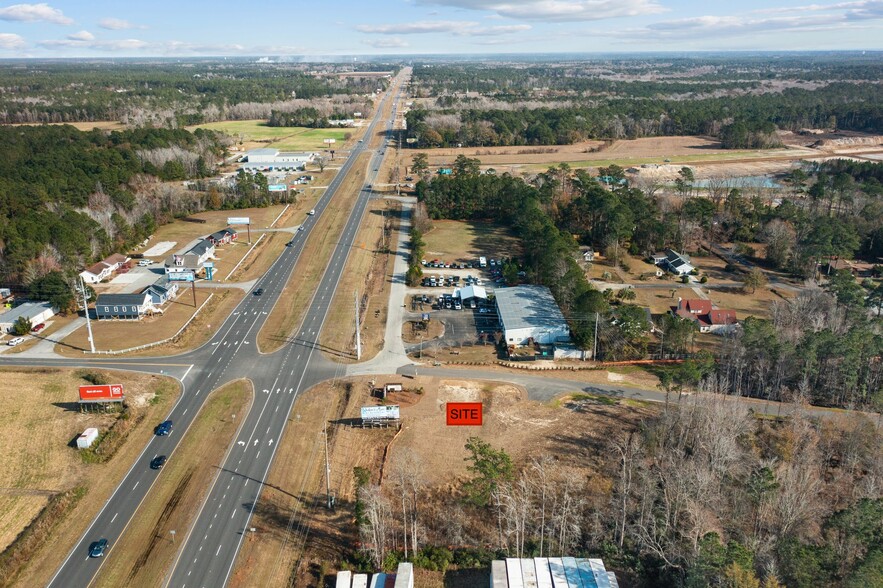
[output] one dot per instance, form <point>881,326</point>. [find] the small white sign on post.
<point>238,220</point>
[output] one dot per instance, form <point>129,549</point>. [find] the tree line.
<point>68,198</point>
<point>701,494</point>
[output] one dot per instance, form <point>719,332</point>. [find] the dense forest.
<point>69,197</point>
<point>165,93</point>
<point>698,495</point>
<point>824,346</point>
<point>477,105</point>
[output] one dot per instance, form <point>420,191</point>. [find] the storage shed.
<point>87,438</point>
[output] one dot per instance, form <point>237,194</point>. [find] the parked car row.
<point>433,281</point>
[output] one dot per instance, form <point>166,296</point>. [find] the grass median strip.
<point>145,552</point>
<point>368,272</point>
<point>292,304</point>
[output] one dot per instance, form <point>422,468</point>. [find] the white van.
<point>482,262</point>
<point>312,212</point>
<point>16,341</point>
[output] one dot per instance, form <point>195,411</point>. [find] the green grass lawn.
<point>283,138</point>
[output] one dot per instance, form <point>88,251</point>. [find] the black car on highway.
<point>164,428</point>
<point>259,291</point>
<point>98,548</point>
<point>158,462</point>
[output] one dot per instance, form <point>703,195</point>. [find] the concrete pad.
<point>160,248</point>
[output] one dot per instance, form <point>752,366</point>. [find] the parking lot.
<point>466,321</point>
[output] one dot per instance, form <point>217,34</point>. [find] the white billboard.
<point>238,220</point>
<point>276,188</point>
<point>380,413</point>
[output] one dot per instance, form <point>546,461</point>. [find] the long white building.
<point>273,159</point>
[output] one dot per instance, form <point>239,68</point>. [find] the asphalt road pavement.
<point>209,549</point>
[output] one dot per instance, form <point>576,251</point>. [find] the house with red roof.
<point>708,318</point>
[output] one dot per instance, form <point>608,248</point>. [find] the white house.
<point>677,263</point>
<point>103,269</point>
<point>122,306</point>
<point>192,260</point>
<point>531,313</point>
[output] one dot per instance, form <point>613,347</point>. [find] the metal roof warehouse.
<point>530,312</point>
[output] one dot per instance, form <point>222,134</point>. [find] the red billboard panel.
<point>463,413</point>
<point>105,392</point>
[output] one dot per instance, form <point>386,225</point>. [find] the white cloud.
<point>11,41</point>
<point>416,28</point>
<point>494,31</point>
<point>393,43</point>
<point>458,28</point>
<point>34,13</point>
<point>117,24</point>
<point>81,36</point>
<point>112,45</point>
<point>811,18</point>
<point>558,10</point>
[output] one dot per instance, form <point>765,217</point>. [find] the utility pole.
<point>86,311</point>
<point>327,468</point>
<point>595,346</point>
<point>358,335</point>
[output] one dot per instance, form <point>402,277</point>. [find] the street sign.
<point>276,188</point>
<point>181,277</point>
<point>329,141</point>
<point>238,220</point>
<point>463,414</point>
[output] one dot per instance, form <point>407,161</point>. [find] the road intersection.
<point>209,548</point>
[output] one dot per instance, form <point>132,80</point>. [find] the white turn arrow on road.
<point>271,441</point>
<point>255,442</point>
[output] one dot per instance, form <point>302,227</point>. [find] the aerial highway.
<point>208,552</point>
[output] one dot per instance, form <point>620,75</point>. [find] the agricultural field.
<point>257,133</point>
<point>42,464</point>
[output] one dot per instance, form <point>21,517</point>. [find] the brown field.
<point>145,552</point>
<point>467,241</point>
<point>104,125</point>
<point>660,299</point>
<point>368,271</point>
<point>116,335</point>
<point>296,532</point>
<point>40,423</point>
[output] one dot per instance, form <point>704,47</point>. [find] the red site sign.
<point>463,414</point>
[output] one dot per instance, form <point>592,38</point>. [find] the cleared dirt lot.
<point>298,541</point>
<point>41,421</point>
<point>119,334</point>
<point>145,552</point>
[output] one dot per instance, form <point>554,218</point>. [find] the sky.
<point>183,28</point>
